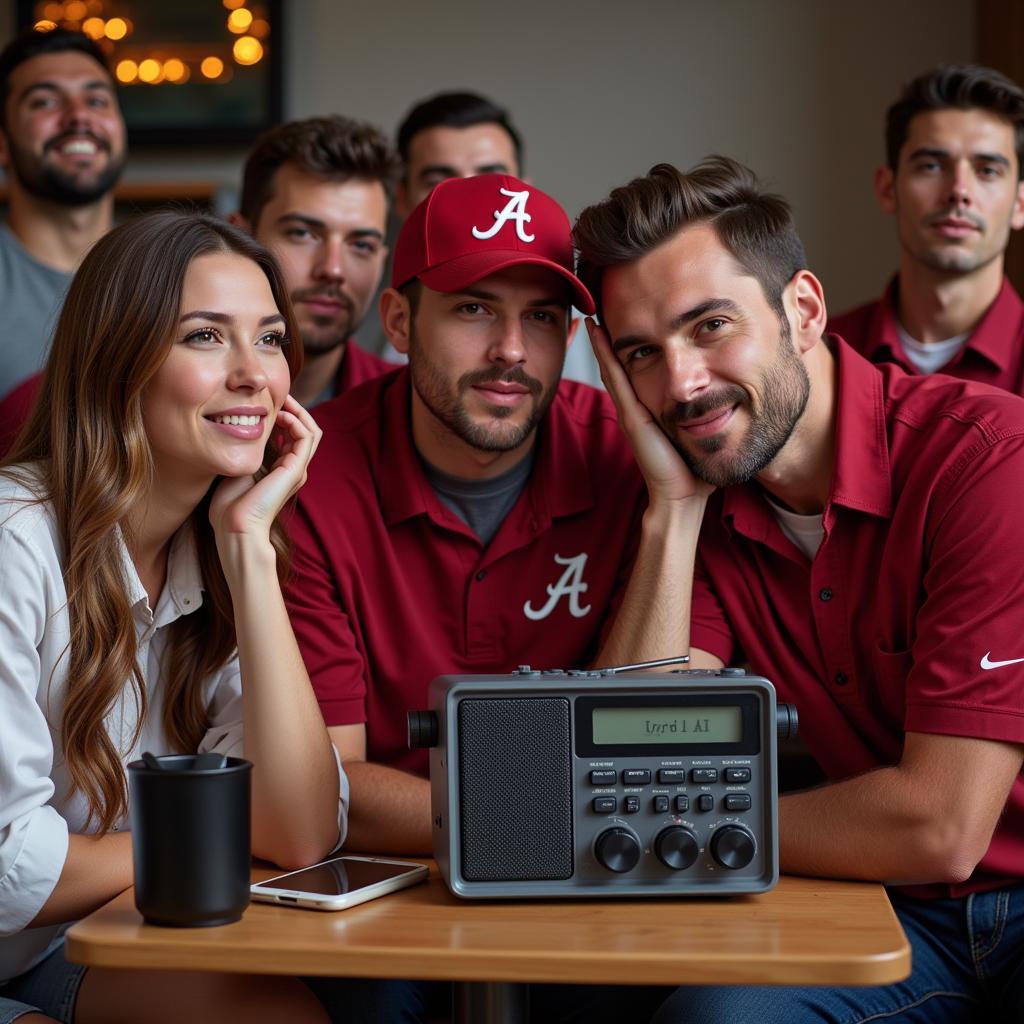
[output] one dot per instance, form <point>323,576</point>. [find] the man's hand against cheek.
<point>668,477</point>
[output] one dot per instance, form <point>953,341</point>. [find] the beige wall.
<point>796,88</point>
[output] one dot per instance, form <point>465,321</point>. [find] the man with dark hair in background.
<point>453,135</point>
<point>859,545</point>
<point>62,146</point>
<point>954,162</point>
<point>316,193</point>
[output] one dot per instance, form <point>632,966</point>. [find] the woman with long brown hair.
<point>140,604</point>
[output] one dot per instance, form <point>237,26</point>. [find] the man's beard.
<point>785,388</point>
<point>448,404</point>
<point>322,334</point>
<point>44,181</point>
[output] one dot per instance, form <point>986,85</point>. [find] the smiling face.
<point>64,137</point>
<point>707,355</point>
<point>485,362</point>
<point>210,408</point>
<point>328,237</point>
<point>955,193</point>
<point>441,152</point>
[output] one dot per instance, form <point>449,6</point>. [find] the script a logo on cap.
<point>515,209</point>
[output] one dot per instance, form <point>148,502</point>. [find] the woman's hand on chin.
<point>243,506</point>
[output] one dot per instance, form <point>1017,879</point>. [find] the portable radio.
<point>605,782</point>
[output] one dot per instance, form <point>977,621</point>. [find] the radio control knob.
<point>617,849</point>
<point>732,846</point>
<point>676,847</point>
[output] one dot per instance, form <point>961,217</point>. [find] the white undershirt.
<point>927,358</point>
<point>806,532</point>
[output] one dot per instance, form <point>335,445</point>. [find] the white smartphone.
<point>339,883</point>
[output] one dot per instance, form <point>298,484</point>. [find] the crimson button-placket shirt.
<point>993,354</point>
<point>390,589</point>
<point>357,367</point>
<point>918,584</point>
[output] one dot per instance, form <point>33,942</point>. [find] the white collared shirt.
<point>36,812</point>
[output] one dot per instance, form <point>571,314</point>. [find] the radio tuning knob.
<point>617,849</point>
<point>732,846</point>
<point>676,847</point>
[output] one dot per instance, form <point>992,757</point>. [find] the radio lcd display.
<point>661,725</point>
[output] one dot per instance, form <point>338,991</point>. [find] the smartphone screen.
<point>338,877</point>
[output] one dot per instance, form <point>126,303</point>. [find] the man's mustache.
<point>514,376</point>
<point>334,294</point>
<point>722,398</point>
<point>955,211</point>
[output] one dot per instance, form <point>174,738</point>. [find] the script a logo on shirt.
<point>515,209</point>
<point>570,584</point>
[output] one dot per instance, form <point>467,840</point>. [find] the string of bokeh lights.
<point>247,28</point>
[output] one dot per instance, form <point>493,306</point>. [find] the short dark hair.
<point>34,43</point>
<point>335,148</point>
<point>755,226</point>
<point>960,86</point>
<point>455,110</point>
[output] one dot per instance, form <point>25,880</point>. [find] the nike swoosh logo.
<point>986,663</point>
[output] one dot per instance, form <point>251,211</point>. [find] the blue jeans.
<point>50,987</point>
<point>968,966</point>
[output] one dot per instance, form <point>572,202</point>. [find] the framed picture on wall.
<point>189,71</point>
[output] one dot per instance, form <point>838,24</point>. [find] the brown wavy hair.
<point>91,458</point>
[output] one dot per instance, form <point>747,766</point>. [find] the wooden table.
<point>805,931</point>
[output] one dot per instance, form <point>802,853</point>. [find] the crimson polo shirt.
<point>15,408</point>
<point>357,367</point>
<point>390,589</point>
<point>993,354</point>
<point>917,586</point>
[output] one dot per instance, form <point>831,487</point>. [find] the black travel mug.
<point>191,838</point>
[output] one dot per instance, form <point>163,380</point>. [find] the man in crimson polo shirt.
<point>468,513</point>
<point>316,193</point>
<point>859,544</point>
<point>954,145</point>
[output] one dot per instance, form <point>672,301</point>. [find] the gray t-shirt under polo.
<point>481,504</point>
<point>31,294</point>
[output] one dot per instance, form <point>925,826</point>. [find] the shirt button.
<point>481,574</point>
<point>840,678</point>
<point>825,594</point>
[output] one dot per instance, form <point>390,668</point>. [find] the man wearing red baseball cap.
<point>468,512</point>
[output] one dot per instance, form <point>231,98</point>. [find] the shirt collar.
<point>994,337</point>
<point>861,477</point>
<point>183,588</point>
<point>559,485</point>
<point>998,331</point>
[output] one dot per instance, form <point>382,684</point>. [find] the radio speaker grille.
<point>515,789</point>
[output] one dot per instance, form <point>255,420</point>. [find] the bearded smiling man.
<point>850,531</point>
<point>62,146</point>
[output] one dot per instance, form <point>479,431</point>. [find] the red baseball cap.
<point>469,228</point>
